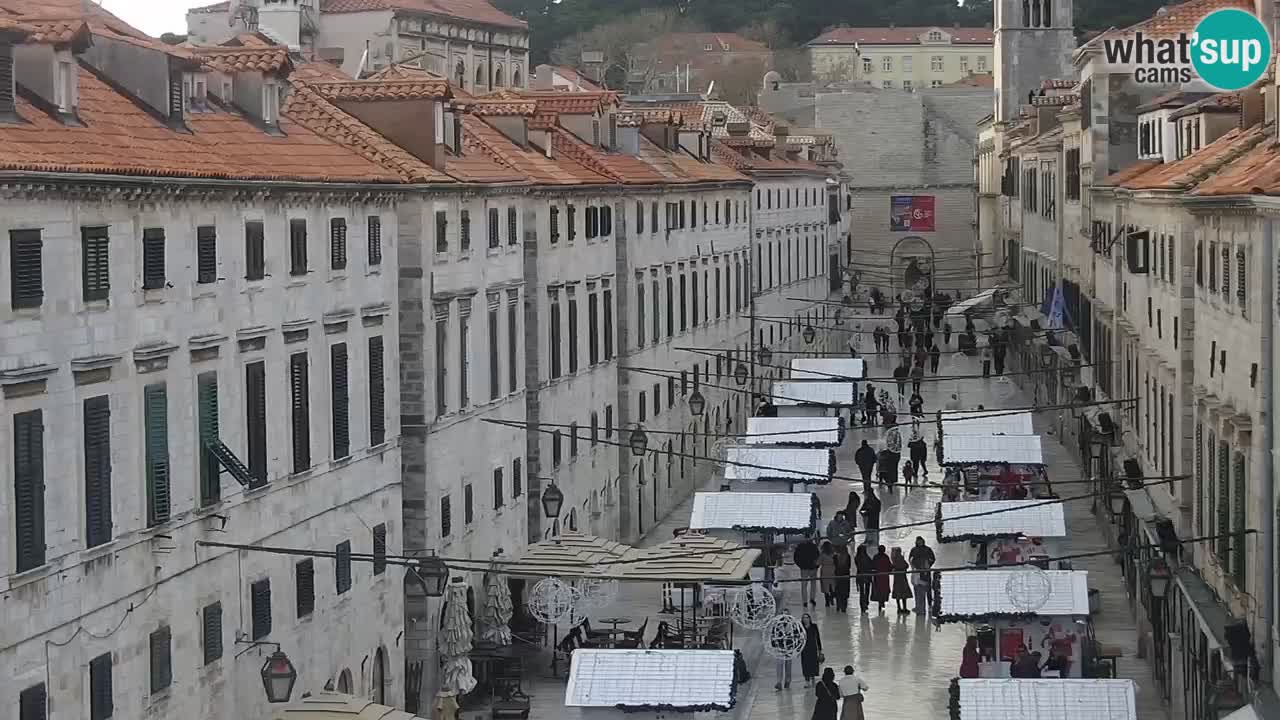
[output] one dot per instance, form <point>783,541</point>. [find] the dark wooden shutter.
<point>254,250</point>
<point>297,247</point>
<point>6,79</point>
<point>26,268</point>
<point>494,225</point>
<point>464,232</point>
<point>260,608</point>
<point>207,399</point>
<point>177,98</point>
<point>512,237</point>
<point>446,517</point>
<point>379,548</point>
<point>161,660</point>
<point>341,411</point>
<point>255,381</point>
<point>153,274</point>
<point>300,407</point>
<point>517,478</point>
<point>28,477</point>
<point>499,494</point>
<point>211,630</point>
<point>375,240</point>
<point>337,243</point>
<point>468,504</point>
<point>155,401</point>
<point>206,254</point>
<point>305,572</point>
<point>33,703</point>
<point>377,393</point>
<point>95,275</point>
<point>97,470</point>
<point>101,698</point>
<point>342,567</point>
<point>442,231</point>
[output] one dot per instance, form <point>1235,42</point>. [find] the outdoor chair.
<point>513,707</point>
<point>638,635</point>
<point>594,634</point>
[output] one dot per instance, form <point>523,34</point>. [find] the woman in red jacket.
<point>882,566</point>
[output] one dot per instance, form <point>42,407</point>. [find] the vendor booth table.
<point>852,370</point>
<point>987,423</point>
<point>1015,531</point>
<point>993,467</point>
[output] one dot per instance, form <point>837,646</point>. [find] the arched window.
<point>380,676</point>
<point>497,75</point>
<point>479,76</point>
<point>516,79</point>
<point>344,682</point>
<point>1026,13</point>
<point>1046,16</point>
<point>460,74</point>
<point>1035,13</point>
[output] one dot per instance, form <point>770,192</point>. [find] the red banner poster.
<point>911,213</point>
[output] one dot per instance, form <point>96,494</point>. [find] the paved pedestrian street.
<point>906,660</point>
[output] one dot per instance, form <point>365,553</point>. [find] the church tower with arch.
<point>1034,42</point>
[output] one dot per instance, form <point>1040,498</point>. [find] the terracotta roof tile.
<point>51,31</point>
<point>1057,84</point>
<point>1198,166</point>
<point>901,36</point>
<point>318,71</point>
<point>486,107</point>
<point>383,89</point>
<point>1173,98</point>
<point>974,80</point>
<point>553,101</point>
<point>231,60</point>
<point>1173,19</point>
<point>119,137</point>
<point>543,121</point>
<point>480,11</point>
<point>1257,172</point>
<point>1053,100</point>
<point>533,162</point>
<point>404,70</point>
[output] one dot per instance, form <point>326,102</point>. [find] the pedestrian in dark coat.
<point>844,565</point>
<point>869,405</point>
<point>935,357</point>
<point>900,374</point>
<point>811,655</point>
<point>851,509</point>
<point>862,565</point>
<point>870,512</point>
<point>881,566</point>
<point>919,452</point>
<point>865,459</point>
<point>946,333</point>
<point>901,581</point>
<point>828,697</point>
<point>917,376</point>
<point>908,474</point>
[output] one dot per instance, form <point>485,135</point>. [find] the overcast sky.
<point>154,16</point>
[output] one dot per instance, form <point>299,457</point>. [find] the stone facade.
<point>907,58</point>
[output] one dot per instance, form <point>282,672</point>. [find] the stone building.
<point>901,58</point>
<point>478,47</point>
<point>205,302</point>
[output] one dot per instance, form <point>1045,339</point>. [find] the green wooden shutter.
<point>342,567</point>
<point>300,402</point>
<point>375,240</point>
<point>156,428</point>
<point>255,381</point>
<point>305,586</point>
<point>337,243</point>
<point>33,703</point>
<point>28,480</point>
<point>206,254</point>
<point>207,400</point>
<point>341,411</point>
<point>379,548</point>
<point>254,250</point>
<point>97,470</point>
<point>260,608</point>
<point>153,271</point>
<point>1224,505</point>
<point>161,660</point>
<point>95,275</point>
<point>1199,481</point>
<point>377,393</point>
<point>26,268</point>
<point>297,247</point>
<point>1239,544</point>
<point>211,630</point>
<point>101,697</point>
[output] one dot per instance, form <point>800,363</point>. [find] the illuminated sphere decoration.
<point>783,637</point>
<point>596,593</point>
<point>552,601</point>
<point>1029,588</point>
<point>752,607</point>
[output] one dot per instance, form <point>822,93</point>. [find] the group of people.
<point>850,688</point>
<point>879,578</point>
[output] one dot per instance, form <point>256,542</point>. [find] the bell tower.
<point>1034,41</point>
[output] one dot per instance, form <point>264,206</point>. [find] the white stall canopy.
<point>813,431</point>
<point>829,369</point>
<point>980,449</point>
<point>678,680</point>
<point>826,394</point>
<point>985,593</point>
<point>784,512</point>
<point>1029,518</point>
<point>1045,699</point>
<point>764,462</point>
<point>979,423</point>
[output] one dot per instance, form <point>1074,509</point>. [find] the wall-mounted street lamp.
<point>639,441</point>
<point>808,334</point>
<point>552,501</point>
<point>740,374</point>
<point>697,404</point>
<point>765,356</point>
<point>278,677</point>
<point>1159,578</point>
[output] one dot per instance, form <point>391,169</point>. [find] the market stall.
<point>776,462</point>
<point>1017,613</point>
<point>993,467</point>
<point>807,398</point>
<point>1000,699</point>
<point>852,370</point>
<point>987,423</point>
<point>1014,531</point>
<point>813,432</point>
<point>650,683</point>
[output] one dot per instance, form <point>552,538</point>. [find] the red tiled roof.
<point>575,76</point>
<point>121,138</point>
<point>901,36</point>
<point>533,162</point>
<point>383,89</point>
<point>1199,165</point>
<point>698,41</point>
<point>485,107</point>
<point>1057,84</point>
<point>1257,172</point>
<point>976,80</point>
<point>318,71</point>
<point>245,59</point>
<point>51,31</point>
<point>478,162</point>
<point>479,11</point>
<point>554,101</point>
<point>404,71</point>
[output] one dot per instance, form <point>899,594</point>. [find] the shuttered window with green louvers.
<point>342,567</point>
<point>297,247</point>
<point>1224,505</point>
<point>161,643</point>
<point>28,477</point>
<point>260,609</point>
<point>1239,546</point>
<point>300,409</point>
<point>255,250</point>
<point>101,695</point>
<point>337,243</point>
<point>95,262</point>
<point>156,431</point>
<point>1199,480</point>
<point>255,383</point>
<point>377,393</point>
<point>153,262</point>
<point>97,470</point>
<point>341,410</point>
<point>26,269</point>
<point>207,417</point>
<point>305,586</point>
<point>206,254</point>
<point>379,548</point>
<point>375,240</point>
<point>211,632</point>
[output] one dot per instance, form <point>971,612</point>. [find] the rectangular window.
<point>33,703</point>
<point>342,567</point>
<point>379,548</point>
<point>639,218</point>
<point>304,580</point>
<point>95,270</point>
<point>573,440</point>
<point>608,421</point>
<point>693,279</point>
<point>653,217</point>
<point>464,232</point>
<point>593,328</point>
<point>211,632</point>
<point>338,390</point>
<point>297,246</point>
<point>207,416</point>
<point>375,240</point>
<point>592,219</point>
<point>608,324</point>
<point>684,302</point>
<point>498,494</point>
<point>657,316</point>
<point>573,331</point>
<point>155,423</point>
<point>255,387</point>
<point>254,250</point>
<point>206,254</point>
<point>161,643</point>
<point>464,353</point>
<point>494,227</point>
<point>377,393</point>
<point>572,221</point>
<point>468,505</point>
<point>555,224</point>
<point>446,517</point>
<point>300,411</point>
<point>101,697</point>
<point>512,347</point>
<point>260,609</point>
<point>657,399</point>
<point>495,372</point>
<point>640,309</point>
<point>442,231</point>
<point>517,477</point>
<point>337,243</point>
<point>97,470</point>
<point>28,480</point>
<point>442,347</point>
<point>153,273</point>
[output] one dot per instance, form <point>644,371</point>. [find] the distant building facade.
<point>903,58</point>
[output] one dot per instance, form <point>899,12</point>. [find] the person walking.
<point>806,558</point>
<point>851,505</point>
<point>784,665</point>
<point>917,376</point>
<point>828,693</point>
<point>827,572</point>
<point>922,560</point>
<point>970,658</point>
<point>881,567</point>
<point>862,566</point>
<point>900,374</point>
<point>946,333</point>
<point>811,653</point>
<point>916,404</point>
<point>935,357</point>
<point>869,406</point>
<point>908,474</point>
<point>839,529</point>
<point>851,688</point>
<point>871,515</point>
<point>844,563</point>
<point>901,581</point>
<point>918,450</point>
<point>865,459</point>
<point>986,361</point>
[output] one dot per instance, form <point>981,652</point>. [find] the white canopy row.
<point>829,369</point>
<point>1046,699</point>
<point>975,449</point>
<point>1032,518</point>
<point>816,431</point>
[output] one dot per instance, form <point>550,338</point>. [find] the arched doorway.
<point>497,75</point>
<point>516,78</point>
<point>380,676</point>
<point>344,682</point>
<point>479,76</point>
<point>460,74</point>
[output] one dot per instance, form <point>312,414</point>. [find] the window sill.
<point>206,295</point>
<point>296,284</point>
<point>493,252</point>
<point>341,462</point>
<point>96,306</point>
<point>375,270</point>
<point>337,277</point>
<point>153,296</point>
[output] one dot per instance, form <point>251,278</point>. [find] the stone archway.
<point>379,685</point>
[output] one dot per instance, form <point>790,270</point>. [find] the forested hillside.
<point>785,23</point>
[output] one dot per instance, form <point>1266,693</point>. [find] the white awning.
<point>979,423</point>
<point>975,593</point>
<point>974,449</point>
<point>806,392</point>
<point>778,463</point>
<point>1046,699</point>
<point>828,369</point>
<point>820,431</point>
<point>636,678</point>
<point>1245,713</point>
<point>965,306</point>
<point>1033,518</point>
<point>775,511</point>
